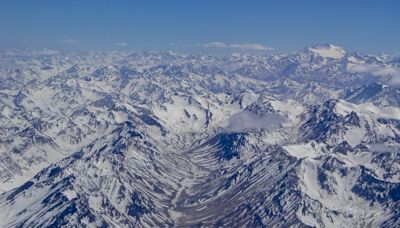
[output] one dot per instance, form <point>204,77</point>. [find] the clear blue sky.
<point>189,25</point>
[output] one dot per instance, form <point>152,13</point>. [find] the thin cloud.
<point>246,120</point>
<point>375,70</point>
<point>380,147</point>
<point>214,45</point>
<point>256,47</point>
<point>70,41</point>
<point>395,80</point>
<point>121,44</point>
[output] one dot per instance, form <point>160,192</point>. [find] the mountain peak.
<point>328,51</point>
<point>325,45</point>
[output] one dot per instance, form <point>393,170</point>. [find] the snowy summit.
<point>328,51</point>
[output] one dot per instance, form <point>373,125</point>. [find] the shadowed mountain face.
<point>116,139</point>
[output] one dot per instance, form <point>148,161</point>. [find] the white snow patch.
<point>70,194</point>
<point>303,150</point>
<point>354,135</point>
<point>329,51</point>
<point>367,109</point>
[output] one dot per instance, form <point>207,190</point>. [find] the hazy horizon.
<point>200,27</point>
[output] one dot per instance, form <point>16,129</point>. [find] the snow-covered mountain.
<point>308,139</point>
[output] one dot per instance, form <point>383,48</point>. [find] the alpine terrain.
<point>148,139</point>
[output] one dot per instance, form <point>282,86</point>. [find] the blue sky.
<point>200,26</point>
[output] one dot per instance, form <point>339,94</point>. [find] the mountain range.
<point>149,139</point>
